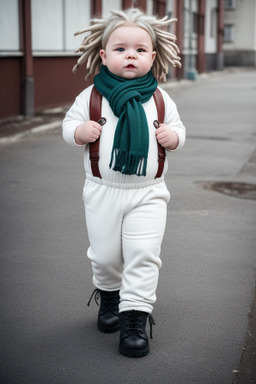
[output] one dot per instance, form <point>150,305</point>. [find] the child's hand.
<point>167,137</point>
<point>87,132</point>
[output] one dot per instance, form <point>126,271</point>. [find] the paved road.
<point>48,334</point>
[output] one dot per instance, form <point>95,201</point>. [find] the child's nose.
<point>131,54</point>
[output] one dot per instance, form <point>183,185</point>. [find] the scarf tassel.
<point>128,163</point>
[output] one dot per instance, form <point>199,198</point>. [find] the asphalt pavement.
<point>205,309</point>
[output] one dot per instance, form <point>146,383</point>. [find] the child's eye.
<point>140,50</point>
<point>120,49</point>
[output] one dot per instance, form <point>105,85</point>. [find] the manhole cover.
<point>240,190</point>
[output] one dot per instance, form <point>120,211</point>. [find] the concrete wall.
<point>242,49</point>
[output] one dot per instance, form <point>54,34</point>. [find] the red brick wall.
<point>54,82</point>
<point>10,89</point>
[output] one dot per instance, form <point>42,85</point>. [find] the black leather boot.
<point>133,336</point>
<point>108,316</point>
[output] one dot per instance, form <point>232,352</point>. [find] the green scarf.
<point>131,140</point>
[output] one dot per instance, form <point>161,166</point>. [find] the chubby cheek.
<point>113,65</point>
<point>146,66</point>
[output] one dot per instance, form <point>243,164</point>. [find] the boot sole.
<point>133,353</point>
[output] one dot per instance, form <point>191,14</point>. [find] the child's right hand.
<point>87,132</point>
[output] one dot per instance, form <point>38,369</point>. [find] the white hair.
<point>100,30</point>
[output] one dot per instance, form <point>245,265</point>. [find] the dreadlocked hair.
<point>100,30</point>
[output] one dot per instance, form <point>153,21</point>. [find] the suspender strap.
<point>95,115</point>
<point>161,112</point>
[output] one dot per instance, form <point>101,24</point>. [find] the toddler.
<point>126,200</point>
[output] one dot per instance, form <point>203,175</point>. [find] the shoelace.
<point>96,294</point>
<point>108,302</point>
<point>151,323</point>
<point>134,321</point>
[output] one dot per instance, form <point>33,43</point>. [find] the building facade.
<point>240,33</point>
<point>37,45</point>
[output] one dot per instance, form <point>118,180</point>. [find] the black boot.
<point>108,316</point>
<point>133,336</point>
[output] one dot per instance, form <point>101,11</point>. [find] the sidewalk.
<point>13,129</point>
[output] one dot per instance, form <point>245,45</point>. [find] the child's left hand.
<point>167,137</point>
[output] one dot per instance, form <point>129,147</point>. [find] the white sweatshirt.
<point>79,113</point>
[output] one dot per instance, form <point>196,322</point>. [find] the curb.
<point>41,128</point>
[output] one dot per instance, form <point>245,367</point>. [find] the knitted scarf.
<point>131,140</point>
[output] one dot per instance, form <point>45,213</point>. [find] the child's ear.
<point>153,55</point>
<point>103,56</point>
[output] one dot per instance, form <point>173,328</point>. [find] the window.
<point>108,5</point>
<point>55,22</point>
<point>229,4</point>
<point>9,25</point>
<point>213,23</point>
<point>195,22</point>
<point>228,33</point>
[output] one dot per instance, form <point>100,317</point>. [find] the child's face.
<point>129,52</point>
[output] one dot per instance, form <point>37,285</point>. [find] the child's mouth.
<point>130,66</point>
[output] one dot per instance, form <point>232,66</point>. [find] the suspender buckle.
<point>156,123</point>
<point>102,121</point>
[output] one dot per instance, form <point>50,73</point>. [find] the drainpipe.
<point>220,55</point>
<point>192,72</point>
<point>28,69</point>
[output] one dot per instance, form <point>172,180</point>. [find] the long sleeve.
<point>172,119</point>
<point>76,115</point>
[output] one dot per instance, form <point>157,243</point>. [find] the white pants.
<point>125,229</point>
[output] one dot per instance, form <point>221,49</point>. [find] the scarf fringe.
<point>128,163</point>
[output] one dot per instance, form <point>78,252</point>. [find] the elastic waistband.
<point>108,183</point>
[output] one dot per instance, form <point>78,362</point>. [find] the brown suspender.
<point>95,115</point>
<point>160,112</point>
